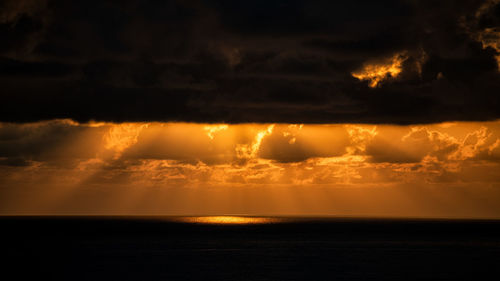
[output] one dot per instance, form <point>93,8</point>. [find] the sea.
<point>247,248</point>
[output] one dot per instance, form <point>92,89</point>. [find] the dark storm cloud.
<point>246,61</point>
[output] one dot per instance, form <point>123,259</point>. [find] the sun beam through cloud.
<point>125,166</point>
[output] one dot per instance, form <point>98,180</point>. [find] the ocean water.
<point>247,248</point>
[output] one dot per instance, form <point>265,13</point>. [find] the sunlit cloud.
<point>64,166</point>
<point>250,150</point>
<point>212,129</point>
<point>377,72</point>
<point>121,136</point>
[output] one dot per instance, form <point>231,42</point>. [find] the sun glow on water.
<point>229,220</point>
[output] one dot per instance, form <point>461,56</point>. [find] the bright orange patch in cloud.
<point>212,129</point>
<point>121,136</point>
<point>379,71</point>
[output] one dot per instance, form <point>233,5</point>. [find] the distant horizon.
<point>192,140</point>
<point>302,216</point>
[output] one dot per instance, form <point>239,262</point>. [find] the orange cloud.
<point>378,71</point>
<point>46,165</point>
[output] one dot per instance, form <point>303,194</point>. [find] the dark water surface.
<point>159,248</point>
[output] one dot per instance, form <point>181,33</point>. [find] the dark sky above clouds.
<point>248,61</point>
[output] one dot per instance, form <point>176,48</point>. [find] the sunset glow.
<point>256,169</point>
<point>379,71</point>
<point>250,140</point>
<point>228,220</point>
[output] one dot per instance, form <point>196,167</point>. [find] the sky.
<point>345,108</point>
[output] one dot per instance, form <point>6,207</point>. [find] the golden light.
<point>121,136</point>
<point>250,150</point>
<point>212,129</point>
<point>377,72</point>
<point>252,169</point>
<point>228,220</point>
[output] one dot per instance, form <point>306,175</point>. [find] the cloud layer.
<point>447,169</point>
<point>254,61</point>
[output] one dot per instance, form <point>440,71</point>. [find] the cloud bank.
<point>60,166</point>
<point>252,61</point>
